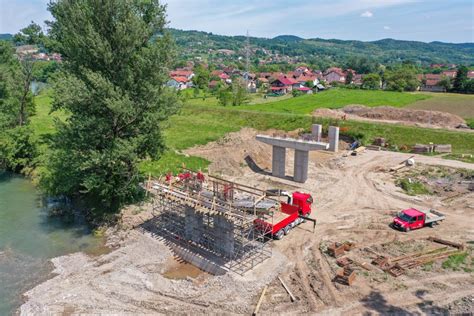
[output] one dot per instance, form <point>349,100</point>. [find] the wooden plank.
<point>447,242</point>
<point>292,297</point>
<point>257,308</point>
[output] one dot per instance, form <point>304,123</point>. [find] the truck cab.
<point>302,201</point>
<point>409,219</point>
<point>291,213</point>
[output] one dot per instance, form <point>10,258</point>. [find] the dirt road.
<point>355,199</point>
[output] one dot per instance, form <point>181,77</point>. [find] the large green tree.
<point>402,78</point>
<point>112,86</point>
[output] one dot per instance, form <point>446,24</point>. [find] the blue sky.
<point>422,20</point>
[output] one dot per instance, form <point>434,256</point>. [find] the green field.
<point>198,125</point>
<point>332,99</point>
<point>338,98</point>
<point>459,104</point>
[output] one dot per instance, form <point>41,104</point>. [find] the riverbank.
<point>29,238</point>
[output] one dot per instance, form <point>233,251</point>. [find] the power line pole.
<point>247,58</point>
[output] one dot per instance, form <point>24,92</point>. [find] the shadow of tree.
<point>376,302</point>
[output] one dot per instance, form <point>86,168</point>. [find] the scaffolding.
<point>215,218</point>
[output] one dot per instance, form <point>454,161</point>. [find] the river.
<point>29,238</point>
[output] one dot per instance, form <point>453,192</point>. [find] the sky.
<point>366,20</point>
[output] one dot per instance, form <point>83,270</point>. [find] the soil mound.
<point>392,114</point>
<point>231,152</point>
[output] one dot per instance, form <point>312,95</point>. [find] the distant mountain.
<point>288,38</point>
<point>6,36</point>
<point>385,51</point>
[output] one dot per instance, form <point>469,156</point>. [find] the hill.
<point>293,48</point>
<point>5,37</point>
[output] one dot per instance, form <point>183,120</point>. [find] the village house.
<point>284,85</point>
<point>430,82</point>
<point>188,74</point>
<point>179,83</point>
<point>451,74</point>
<point>334,74</point>
<point>304,79</point>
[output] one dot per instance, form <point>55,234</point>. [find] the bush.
<point>454,261</point>
<point>18,150</point>
<point>412,187</point>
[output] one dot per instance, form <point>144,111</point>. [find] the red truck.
<point>292,213</point>
<point>411,218</point>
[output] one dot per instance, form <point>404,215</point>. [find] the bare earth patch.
<point>355,200</point>
<point>387,114</point>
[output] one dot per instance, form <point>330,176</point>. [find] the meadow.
<point>332,99</point>
<point>459,104</point>
<point>197,124</point>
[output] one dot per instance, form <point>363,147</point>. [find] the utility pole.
<point>247,59</point>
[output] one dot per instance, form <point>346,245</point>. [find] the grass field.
<point>334,98</point>
<point>197,125</point>
<point>459,104</point>
<point>43,121</point>
<point>338,98</point>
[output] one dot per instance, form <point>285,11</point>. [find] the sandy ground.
<point>355,199</point>
<point>392,115</point>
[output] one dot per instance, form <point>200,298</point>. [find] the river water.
<point>29,238</point>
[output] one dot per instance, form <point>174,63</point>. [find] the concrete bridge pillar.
<point>300,173</point>
<point>333,138</point>
<point>193,225</point>
<point>316,131</point>
<point>224,232</point>
<point>278,161</point>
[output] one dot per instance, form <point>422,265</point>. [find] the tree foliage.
<point>17,148</point>
<point>461,79</point>
<point>30,35</point>
<point>112,85</point>
<point>201,77</point>
<point>240,94</point>
<point>402,78</point>
<point>371,81</point>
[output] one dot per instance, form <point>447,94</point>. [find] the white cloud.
<point>367,14</point>
<point>387,28</point>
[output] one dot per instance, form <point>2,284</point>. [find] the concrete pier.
<point>278,161</point>
<point>316,132</point>
<point>225,230</point>
<point>333,138</point>
<point>302,148</point>
<point>300,173</point>
<point>193,225</point>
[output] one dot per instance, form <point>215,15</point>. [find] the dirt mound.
<point>441,119</point>
<point>234,151</point>
<point>391,115</point>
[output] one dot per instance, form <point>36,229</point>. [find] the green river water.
<point>29,238</point>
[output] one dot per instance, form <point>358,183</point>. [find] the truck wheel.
<point>431,224</point>
<point>279,234</point>
<point>287,229</point>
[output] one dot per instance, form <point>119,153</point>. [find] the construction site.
<point>284,223</point>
